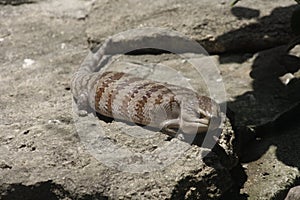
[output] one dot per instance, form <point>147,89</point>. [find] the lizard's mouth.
<point>193,125</point>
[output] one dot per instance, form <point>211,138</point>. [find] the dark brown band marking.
<point>109,78</point>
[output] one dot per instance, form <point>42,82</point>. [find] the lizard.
<point>120,95</point>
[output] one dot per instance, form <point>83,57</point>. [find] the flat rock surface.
<point>42,43</point>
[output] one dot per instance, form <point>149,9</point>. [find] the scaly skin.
<point>146,102</point>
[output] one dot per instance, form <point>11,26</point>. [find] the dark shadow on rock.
<point>44,190</point>
<point>268,115</point>
<point>244,13</point>
<point>272,108</point>
<point>269,31</point>
<point>16,2</point>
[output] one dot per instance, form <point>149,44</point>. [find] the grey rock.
<point>261,98</point>
<point>42,156</point>
<point>266,115</point>
<point>212,23</point>
<point>78,9</point>
<point>42,153</point>
<point>272,165</point>
<point>293,194</point>
<point>50,161</point>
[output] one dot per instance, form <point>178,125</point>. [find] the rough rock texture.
<point>67,170</point>
<point>294,193</point>
<point>217,27</point>
<point>43,155</point>
<point>272,164</point>
<point>266,107</point>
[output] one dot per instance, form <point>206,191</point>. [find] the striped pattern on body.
<point>123,96</point>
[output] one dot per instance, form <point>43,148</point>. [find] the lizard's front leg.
<point>82,104</point>
<point>169,125</point>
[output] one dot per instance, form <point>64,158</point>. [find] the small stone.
<point>28,63</point>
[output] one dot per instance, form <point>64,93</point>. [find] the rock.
<point>154,167</point>
<point>68,9</point>
<point>272,164</point>
<point>212,23</point>
<point>42,156</point>
<point>16,2</point>
<point>266,116</point>
<point>146,164</point>
<point>293,194</point>
<point>262,98</point>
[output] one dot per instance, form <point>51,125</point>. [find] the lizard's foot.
<point>82,105</point>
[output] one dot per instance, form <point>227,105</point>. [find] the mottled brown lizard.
<point>127,97</point>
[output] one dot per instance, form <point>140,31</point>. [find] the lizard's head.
<point>204,116</point>
<point>197,115</point>
<point>208,113</point>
